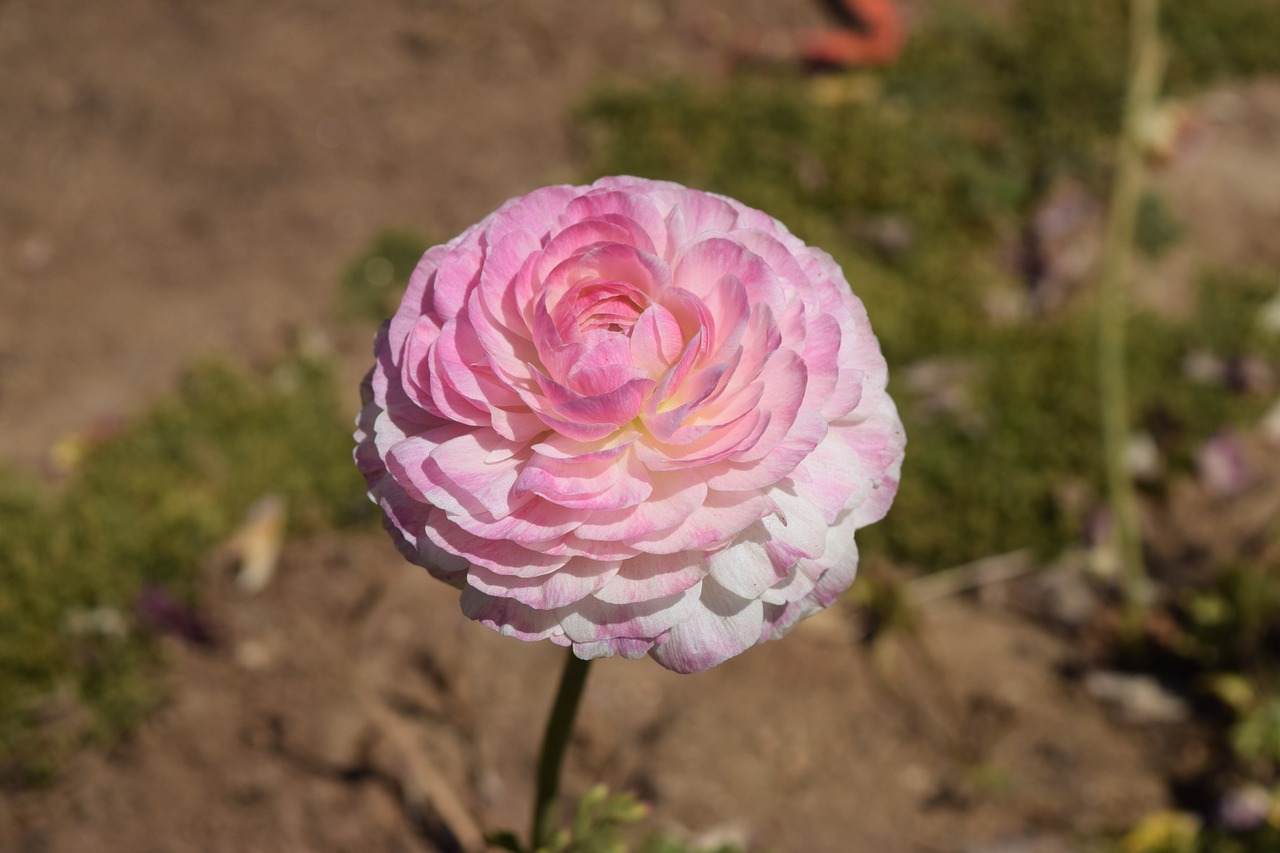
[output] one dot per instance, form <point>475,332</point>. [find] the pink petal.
<point>730,309</point>
<point>608,484</point>
<point>416,299</point>
<point>531,523</point>
<point>534,212</point>
<point>572,582</point>
<point>806,434</point>
<point>415,364</point>
<point>614,408</point>
<point>556,446</point>
<point>769,245</point>
<point>650,576</point>
<point>785,377</point>
<point>717,443</point>
<point>675,496</point>
<point>882,443</point>
<point>821,350</point>
<point>663,422</point>
<point>501,556</point>
<point>458,473</point>
<point>718,521</point>
<point>572,241</point>
<point>701,266</point>
<point>458,273</point>
<point>721,626</point>
<point>628,647</point>
<point>604,367</point>
<point>636,212</point>
<point>697,214</point>
<point>656,341</point>
<point>453,387</point>
<point>798,530</point>
<point>596,549</point>
<point>406,519</point>
<point>591,619</point>
<point>508,616</point>
<point>834,573</point>
<point>744,568</point>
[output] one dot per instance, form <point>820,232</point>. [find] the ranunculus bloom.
<point>633,418</point>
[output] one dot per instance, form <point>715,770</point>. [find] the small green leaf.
<point>505,840</point>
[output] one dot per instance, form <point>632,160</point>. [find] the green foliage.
<point>1181,413</point>
<point>600,825</point>
<point>1256,738</point>
<point>1063,81</point>
<point>1177,832</point>
<point>1230,308</point>
<point>1156,230</point>
<point>1014,463</point>
<point>884,604</point>
<point>981,479</point>
<point>380,273</point>
<point>1215,40</point>
<point>1228,625</point>
<point>1163,832</point>
<point>1263,840</point>
<point>144,508</point>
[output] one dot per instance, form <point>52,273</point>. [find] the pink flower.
<point>633,418</point>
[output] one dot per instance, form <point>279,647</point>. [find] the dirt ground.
<point>185,177</point>
<point>353,672</point>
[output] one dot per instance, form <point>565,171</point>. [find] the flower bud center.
<point>611,306</point>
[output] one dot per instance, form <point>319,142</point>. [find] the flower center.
<point>611,306</point>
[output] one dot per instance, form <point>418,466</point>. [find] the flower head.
<point>633,418</point>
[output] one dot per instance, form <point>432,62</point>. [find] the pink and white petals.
<point>631,418</point>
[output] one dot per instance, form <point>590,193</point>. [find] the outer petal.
<point>648,576</point>
<point>573,581</point>
<point>592,620</point>
<point>627,647</point>
<point>509,617</point>
<point>830,576</point>
<point>721,626</point>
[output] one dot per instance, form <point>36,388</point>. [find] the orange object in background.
<point>874,35</point>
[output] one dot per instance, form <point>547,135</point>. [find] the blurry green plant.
<point>1218,40</point>
<point>884,604</point>
<point>377,277</point>
<point>1163,832</point>
<point>600,825</point>
<point>1256,737</point>
<point>1062,84</point>
<point>144,509</point>
<point>1234,623</point>
<point>1156,230</point>
<point>1178,832</point>
<point>1263,840</point>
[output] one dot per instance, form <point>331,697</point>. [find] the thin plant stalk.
<point>1146,62</point>
<point>554,742</point>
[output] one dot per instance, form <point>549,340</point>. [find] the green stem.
<point>1145,68</point>
<point>554,742</point>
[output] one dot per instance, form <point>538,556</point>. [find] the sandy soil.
<point>352,681</point>
<point>185,177</point>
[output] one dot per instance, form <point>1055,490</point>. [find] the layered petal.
<point>631,418</point>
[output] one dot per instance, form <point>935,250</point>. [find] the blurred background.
<point>206,643</point>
